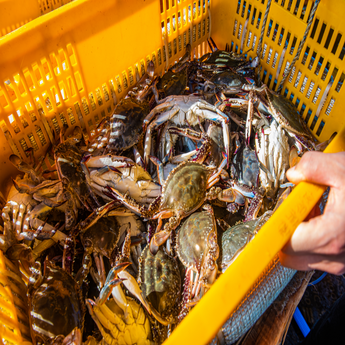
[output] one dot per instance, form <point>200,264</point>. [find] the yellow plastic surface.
<point>16,13</point>
<point>72,65</point>
<point>11,286</point>
<point>205,319</point>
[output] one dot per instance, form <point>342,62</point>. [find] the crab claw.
<point>115,271</point>
<point>107,289</point>
<point>157,240</point>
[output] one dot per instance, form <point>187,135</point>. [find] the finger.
<point>322,168</point>
<point>317,237</point>
<point>331,264</point>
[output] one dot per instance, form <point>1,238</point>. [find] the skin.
<point>319,242</point>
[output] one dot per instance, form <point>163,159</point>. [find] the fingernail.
<point>294,174</point>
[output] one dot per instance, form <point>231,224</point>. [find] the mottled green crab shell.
<point>184,190</point>
<point>192,239</point>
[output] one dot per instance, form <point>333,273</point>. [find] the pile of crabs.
<point>135,224</point>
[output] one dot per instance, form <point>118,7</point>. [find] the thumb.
<point>321,168</point>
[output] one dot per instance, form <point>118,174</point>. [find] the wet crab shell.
<point>172,83</point>
<point>160,282</point>
<point>228,80</point>
<point>221,57</point>
<point>56,306</point>
<point>193,239</point>
<point>286,115</point>
<point>126,133</point>
<point>185,188</point>
<point>104,235</point>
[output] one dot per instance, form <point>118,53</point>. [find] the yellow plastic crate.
<point>16,13</point>
<point>71,66</point>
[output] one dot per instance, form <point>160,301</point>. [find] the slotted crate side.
<point>16,13</point>
<point>72,65</point>
<point>319,71</point>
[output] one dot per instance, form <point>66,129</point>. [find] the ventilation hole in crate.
<point>270,24</point>
<point>13,123</point>
<point>248,11</point>
<point>304,83</point>
<point>326,70</point>
<point>103,114</point>
<point>29,80</point>
<point>168,27</point>
<point>302,109</point>
<point>70,86</point>
<point>269,80</point>
<point>306,53</point>
<point>96,118</point>
<point>307,118</point>
<point>78,81</point>
<point>92,101</point>
<point>71,54</point>
<point>235,28</point>
<point>130,76</point>
<point>203,6</point>
<point>3,101</point>
<point>336,44</point>
<point>40,135</point>
<point>286,67</point>
<point>299,74</point>
<point>286,91</point>
<point>239,31</point>
<point>194,10</point>
<point>19,84</point>
<point>262,1</point>
<point>318,67</point>
<point>54,63</point>
<point>159,56</point>
<point>208,24</point>
<point>236,48</point>
<point>313,123</point>
<point>310,89</point>
<point>10,90</point>
<point>238,7</point>
<point>184,16</point>
<point>334,74</point>
<point>63,119</point>
<point>203,27</point>
<point>312,60</point>
<point>46,69</point>
<point>161,6</point>
<point>169,50</point>
<point>118,84</point>
<point>33,141</point>
<point>297,102</point>
<point>63,60</point>
<point>313,31</point>
<point>293,45</point>
<point>71,116</point>
<point>22,118</point>
<point>340,82</point>
<point>56,125</point>
<point>24,145</point>
<point>253,17</point>
<point>269,56</point>
<point>259,20</point>
<point>322,31</point>
<point>274,84</point>
<point>99,97</point>
<point>243,8</point>
<point>78,110</point>
<point>179,21</point>
<point>249,38</point>
<point>292,74</point>
<point>317,94</point>
<point>319,130</point>
<point>109,109</point>
<point>289,5</point>
<point>329,37</point>
<point>342,53</point>
<point>287,40</point>
<point>275,32</point>
<point>164,54</point>
<point>281,36</point>
<point>174,22</point>
<point>47,101</point>
<point>189,14</point>
<point>330,106</point>
<point>33,117</point>
<point>37,74</point>
<point>199,31</point>
<point>254,42</point>
<point>264,51</point>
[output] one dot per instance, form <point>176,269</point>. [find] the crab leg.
<point>108,160</point>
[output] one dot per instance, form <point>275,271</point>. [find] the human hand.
<point>319,243</point>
